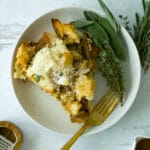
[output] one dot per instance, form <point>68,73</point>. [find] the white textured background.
<point>15,16</point>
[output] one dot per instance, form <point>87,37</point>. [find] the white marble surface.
<point>15,16</point>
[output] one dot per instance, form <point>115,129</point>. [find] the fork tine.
<point>108,111</point>
<point>110,100</point>
<point>106,101</point>
<point>111,108</point>
<point>102,101</point>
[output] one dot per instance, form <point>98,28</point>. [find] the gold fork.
<point>98,115</point>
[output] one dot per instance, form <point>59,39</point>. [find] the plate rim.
<point>12,64</point>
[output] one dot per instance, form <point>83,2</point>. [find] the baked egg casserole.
<point>62,64</point>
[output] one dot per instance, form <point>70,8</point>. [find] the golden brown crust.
<point>66,32</point>
<point>23,57</point>
<point>46,40</point>
<point>84,87</point>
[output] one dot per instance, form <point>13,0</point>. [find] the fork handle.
<point>74,137</point>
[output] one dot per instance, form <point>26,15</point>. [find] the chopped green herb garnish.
<point>37,77</point>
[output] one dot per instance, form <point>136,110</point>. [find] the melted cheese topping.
<point>49,61</point>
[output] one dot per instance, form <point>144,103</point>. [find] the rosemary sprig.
<point>125,22</point>
<point>142,35</point>
<point>109,65</point>
<point>111,69</point>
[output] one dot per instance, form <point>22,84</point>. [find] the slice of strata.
<point>61,68</point>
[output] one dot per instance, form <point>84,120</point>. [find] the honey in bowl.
<point>143,144</point>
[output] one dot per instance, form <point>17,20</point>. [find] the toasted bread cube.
<point>66,32</point>
<point>45,39</point>
<point>84,87</point>
<point>24,55</point>
<point>67,59</point>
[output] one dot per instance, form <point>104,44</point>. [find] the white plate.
<point>47,112</point>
